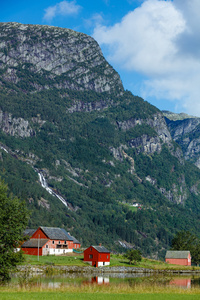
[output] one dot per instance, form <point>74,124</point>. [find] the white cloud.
<point>63,8</point>
<point>95,20</point>
<point>161,40</point>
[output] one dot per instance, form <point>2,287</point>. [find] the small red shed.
<point>97,255</point>
<point>182,258</point>
<point>35,246</point>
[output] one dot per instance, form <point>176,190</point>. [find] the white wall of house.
<point>103,263</point>
<point>50,251</point>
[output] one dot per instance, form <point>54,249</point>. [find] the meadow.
<point>75,259</point>
<point>117,292</point>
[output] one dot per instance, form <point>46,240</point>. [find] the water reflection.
<point>181,282</point>
<point>54,285</point>
<point>100,280</point>
<point>55,282</point>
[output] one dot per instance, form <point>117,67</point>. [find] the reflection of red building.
<point>182,258</point>
<point>181,282</point>
<point>100,280</point>
<point>97,256</point>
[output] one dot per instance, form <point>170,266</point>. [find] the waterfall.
<point>44,183</point>
<point>49,190</point>
<point>4,149</point>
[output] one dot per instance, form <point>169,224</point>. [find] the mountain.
<point>175,117</point>
<point>84,153</point>
<point>186,133</point>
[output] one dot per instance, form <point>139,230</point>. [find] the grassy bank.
<point>116,260</point>
<point>61,260</point>
<point>117,292</point>
<point>88,296</point>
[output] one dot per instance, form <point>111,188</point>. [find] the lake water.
<point>108,279</point>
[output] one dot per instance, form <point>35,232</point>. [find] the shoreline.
<point>88,270</point>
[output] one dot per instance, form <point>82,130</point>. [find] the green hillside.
<point>101,150</point>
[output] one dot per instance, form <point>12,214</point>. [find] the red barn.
<point>97,256</point>
<point>49,240</point>
<point>182,258</point>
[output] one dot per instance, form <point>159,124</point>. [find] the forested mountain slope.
<point>81,150</point>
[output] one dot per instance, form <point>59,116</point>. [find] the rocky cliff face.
<point>65,58</point>
<point>181,128</point>
<point>145,143</point>
<point>187,134</point>
<point>15,126</point>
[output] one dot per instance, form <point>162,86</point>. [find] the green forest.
<point>102,190</point>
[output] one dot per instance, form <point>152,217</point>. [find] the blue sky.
<point>153,44</point>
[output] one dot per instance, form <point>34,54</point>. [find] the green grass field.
<point>66,260</point>
<point>92,296</point>
<point>115,260</point>
<point>103,292</point>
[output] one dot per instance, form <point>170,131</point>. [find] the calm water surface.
<point>129,279</point>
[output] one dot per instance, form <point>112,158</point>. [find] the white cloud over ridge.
<point>161,40</point>
<point>63,8</point>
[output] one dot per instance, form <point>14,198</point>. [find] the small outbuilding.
<point>182,258</point>
<point>97,256</point>
<point>35,246</point>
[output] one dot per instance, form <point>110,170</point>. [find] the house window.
<point>100,255</point>
<point>52,242</point>
<point>65,242</point>
<point>59,242</point>
<point>47,246</point>
<point>107,256</point>
<point>90,256</point>
<point>90,249</point>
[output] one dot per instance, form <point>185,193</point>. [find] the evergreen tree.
<point>184,240</point>
<point>133,255</point>
<point>13,220</point>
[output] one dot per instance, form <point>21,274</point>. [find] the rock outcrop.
<point>15,126</point>
<point>146,144</point>
<point>65,58</point>
<point>187,134</point>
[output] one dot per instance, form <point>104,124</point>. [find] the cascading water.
<point>4,149</point>
<point>49,190</point>
<point>44,183</point>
